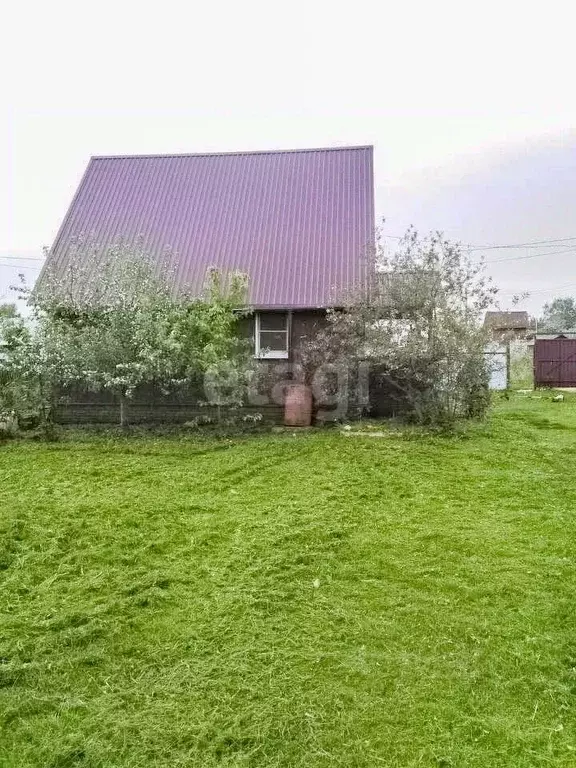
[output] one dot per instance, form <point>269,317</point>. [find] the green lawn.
<point>292,600</point>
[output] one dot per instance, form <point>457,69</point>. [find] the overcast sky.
<point>471,108</point>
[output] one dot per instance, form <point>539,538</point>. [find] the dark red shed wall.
<point>555,362</point>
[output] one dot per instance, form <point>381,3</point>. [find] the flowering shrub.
<point>110,321</point>
<point>414,328</point>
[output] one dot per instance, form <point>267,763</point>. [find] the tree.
<point>559,315</point>
<point>34,358</point>
<point>415,323</point>
<point>8,310</point>
<point>123,329</point>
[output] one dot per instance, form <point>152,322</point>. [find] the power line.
<point>544,243</point>
<point>23,258</point>
<point>533,244</point>
<point>20,266</point>
<point>531,256</point>
<point>539,290</point>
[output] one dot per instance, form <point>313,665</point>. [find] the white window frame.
<point>272,354</point>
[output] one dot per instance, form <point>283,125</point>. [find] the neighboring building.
<point>507,326</point>
<point>299,223</point>
<point>551,336</point>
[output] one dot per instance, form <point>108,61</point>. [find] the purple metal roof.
<point>298,222</point>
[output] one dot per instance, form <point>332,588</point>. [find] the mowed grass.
<point>309,600</point>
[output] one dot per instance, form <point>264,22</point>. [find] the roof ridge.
<point>228,154</point>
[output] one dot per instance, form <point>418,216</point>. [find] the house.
<point>299,223</point>
<point>507,326</point>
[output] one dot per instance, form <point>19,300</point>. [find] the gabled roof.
<point>553,336</point>
<point>298,222</point>
<point>506,320</point>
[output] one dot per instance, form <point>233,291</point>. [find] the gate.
<point>555,363</point>
<point>497,357</point>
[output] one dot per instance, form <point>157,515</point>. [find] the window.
<point>272,335</point>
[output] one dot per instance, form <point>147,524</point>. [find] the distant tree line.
<point>558,315</point>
